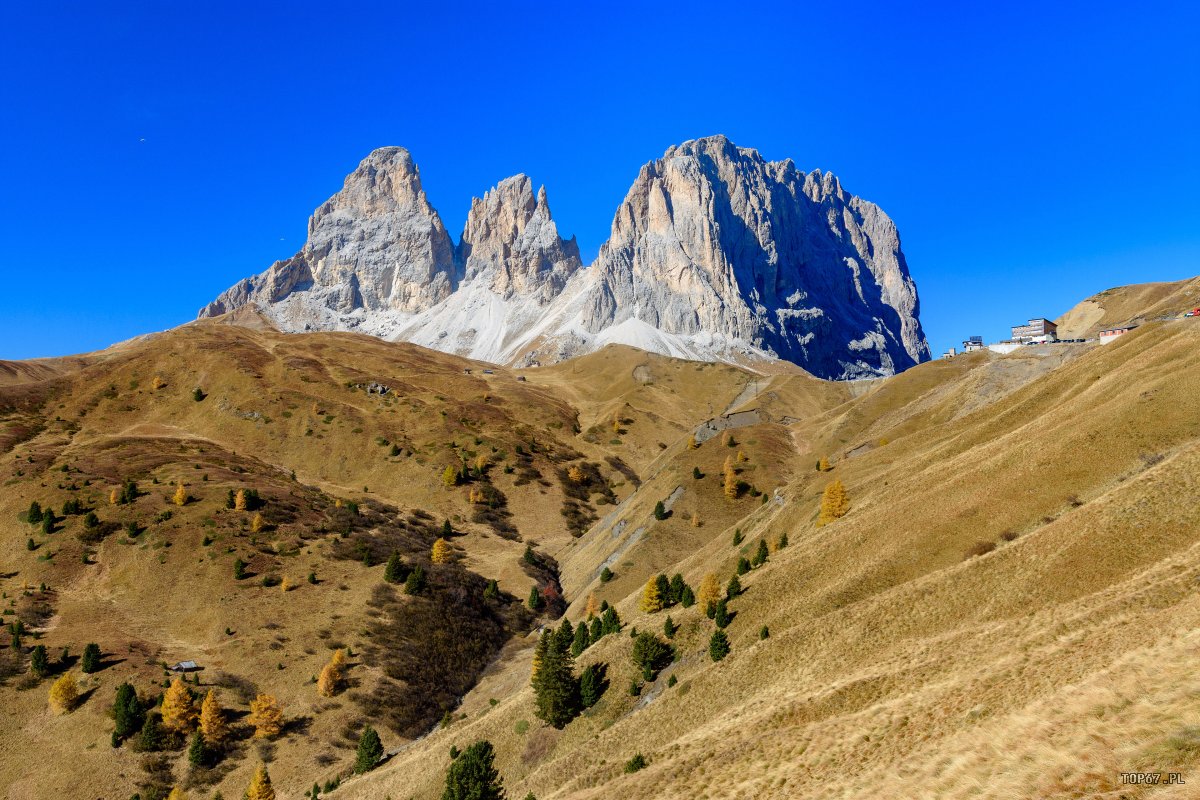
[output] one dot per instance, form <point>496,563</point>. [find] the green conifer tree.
<point>39,664</point>
<point>91,658</point>
<point>687,598</point>
<point>473,776</point>
<point>197,752</point>
<point>394,571</point>
<point>591,685</point>
<point>743,566</point>
<point>565,635</point>
<point>721,614</point>
<point>415,582</point>
<point>718,645</point>
<point>734,588</point>
<point>370,751</point>
<point>581,641</point>
<point>611,621</point>
<point>761,554</point>
<point>151,739</point>
<point>597,631</point>
<point>650,654</point>
<point>675,590</point>
<point>664,590</point>
<point>554,686</point>
<point>127,711</point>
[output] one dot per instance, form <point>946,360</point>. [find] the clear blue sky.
<point>151,154</point>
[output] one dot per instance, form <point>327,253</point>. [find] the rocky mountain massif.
<point>715,254</point>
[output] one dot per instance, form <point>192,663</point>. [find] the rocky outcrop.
<point>511,240</point>
<point>715,253</point>
<point>375,246</point>
<point>714,240</point>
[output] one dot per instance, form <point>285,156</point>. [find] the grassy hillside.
<point>1007,610</point>
<point>345,475</point>
<point>1125,305</point>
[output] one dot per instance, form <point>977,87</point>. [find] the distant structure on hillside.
<point>1036,330</point>
<point>973,344</point>
<point>185,666</point>
<point>1112,334</point>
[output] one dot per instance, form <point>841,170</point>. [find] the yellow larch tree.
<point>651,599</point>
<point>260,785</point>
<point>158,382</point>
<point>834,503</point>
<point>331,677</point>
<point>593,606</point>
<point>695,520</point>
<point>239,500</point>
<point>177,794</point>
<point>710,590</point>
<point>450,477</point>
<point>692,443</point>
<point>179,713</point>
<point>574,474</point>
<point>64,694</point>
<point>441,553</point>
<point>113,497</point>
<point>823,464</point>
<point>266,716</point>
<point>481,464</point>
<point>742,457</point>
<point>212,720</point>
<point>181,495</point>
<point>338,659</point>
<point>257,523</point>
<point>731,481</point>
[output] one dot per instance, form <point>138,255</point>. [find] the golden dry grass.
<point>897,666</point>
<point>1123,305</point>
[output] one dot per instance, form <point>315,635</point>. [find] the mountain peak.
<point>510,236</point>
<point>715,254</point>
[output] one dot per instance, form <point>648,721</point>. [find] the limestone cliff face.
<point>715,253</point>
<point>511,241</point>
<point>712,239</point>
<point>377,245</point>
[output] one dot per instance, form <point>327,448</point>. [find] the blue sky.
<point>151,154</point>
